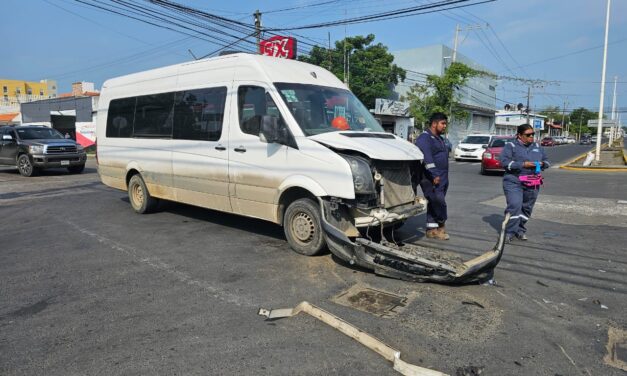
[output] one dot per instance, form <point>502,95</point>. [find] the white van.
<point>262,137</point>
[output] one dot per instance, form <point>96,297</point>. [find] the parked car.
<point>472,147</point>
<point>558,140</point>
<point>585,141</point>
<point>32,148</point>
<point>571,140</point>
<point>548,141</point>
<point>490,160</point>
<point>593,139</point>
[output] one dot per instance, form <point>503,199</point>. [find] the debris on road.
<point>542,284</point>
<point>360,336</point>
<point>469,371</point>
<point>472,303</point>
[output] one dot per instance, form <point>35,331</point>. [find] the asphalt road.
<point>87,287</point>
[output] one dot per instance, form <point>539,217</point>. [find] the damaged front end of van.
<point>360,231</point>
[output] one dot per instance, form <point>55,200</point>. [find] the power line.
<point>398,13</point>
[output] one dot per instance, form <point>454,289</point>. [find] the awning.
<point>8,118</point>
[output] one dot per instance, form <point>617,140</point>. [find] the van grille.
<point>61,149</point>
<point>397,186</point>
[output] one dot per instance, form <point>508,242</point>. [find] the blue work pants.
<point>436,206</point>
<point>520,202</point>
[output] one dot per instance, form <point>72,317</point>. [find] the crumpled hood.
<point>381,146</point>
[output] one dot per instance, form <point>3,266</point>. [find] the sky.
<point>557,41</point>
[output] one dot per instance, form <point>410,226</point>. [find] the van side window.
<point>154,115</point>
<point>253,103</point>
<point>198,114</point>
<point>120,117</point>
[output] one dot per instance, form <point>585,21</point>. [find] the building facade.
<point>506,122</point>
<point>72,113</point>
<point>14,92</point>
<point>477,97</point>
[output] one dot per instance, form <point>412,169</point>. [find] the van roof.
<point>249,68</point>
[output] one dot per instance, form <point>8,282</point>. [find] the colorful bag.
<point>531,181</point>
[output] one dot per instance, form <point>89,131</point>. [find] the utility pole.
<point>580,121</point>
<point>600,124</point>
<point>457,30</point>
<point>529,95</point>
<point>456,42</point>
<point>330,62</point>
<point>613,113</point>
<point>563,115</point>
<point>257,16</point>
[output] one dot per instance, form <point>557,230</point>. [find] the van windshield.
<point>320,109</point>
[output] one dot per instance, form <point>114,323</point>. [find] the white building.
<point>506,121</point>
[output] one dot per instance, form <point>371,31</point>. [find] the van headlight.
<point>79,147</point>
<point>36,149</point>
<point>362,175</point>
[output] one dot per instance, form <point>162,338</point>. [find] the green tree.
<point>372,72</point>
<point>553,113</point>
<point>579,118</point>
<point>440,93</point>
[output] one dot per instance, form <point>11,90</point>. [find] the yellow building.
<point>14,92</point>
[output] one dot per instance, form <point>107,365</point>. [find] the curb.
<point>596,169</point>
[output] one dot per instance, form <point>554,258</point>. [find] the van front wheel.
<point>303,228</point>
<point>138,195</point>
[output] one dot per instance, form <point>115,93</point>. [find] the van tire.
<point>25,166</point>
<point>303,228</point>
<point>139,197</point>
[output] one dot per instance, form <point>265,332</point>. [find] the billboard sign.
<point>389,107</point>
<point>278,46</point>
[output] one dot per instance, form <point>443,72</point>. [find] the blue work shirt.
<point>515,153</point>
<point>435,154</point>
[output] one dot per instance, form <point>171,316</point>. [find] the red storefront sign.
<point>278,46</point>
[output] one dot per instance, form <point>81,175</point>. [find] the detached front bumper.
<point>58,160</point>
<point>412,262</point>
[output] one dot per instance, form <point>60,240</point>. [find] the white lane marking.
<point>159,265</point>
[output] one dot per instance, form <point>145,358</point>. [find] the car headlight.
<point>487,156</point>
<point>79,147</point>
<point>36,149</point>
<point>362,175</point>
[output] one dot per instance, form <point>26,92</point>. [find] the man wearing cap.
<point>434,182</point>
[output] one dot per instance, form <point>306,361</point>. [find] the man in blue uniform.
<point>434,182</point>
<point>522,159</point>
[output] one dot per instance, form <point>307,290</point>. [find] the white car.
<point>472,147</point>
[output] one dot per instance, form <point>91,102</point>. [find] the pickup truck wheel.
<point>76,169</point>
<point>25,166</point>
<point>140,198</point>
<point>303,228</point>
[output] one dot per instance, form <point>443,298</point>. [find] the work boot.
<point>436,234</point>
<point>522,237</point>
<point>442,229</point>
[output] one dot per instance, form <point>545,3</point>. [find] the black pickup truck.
<point>31,148</point>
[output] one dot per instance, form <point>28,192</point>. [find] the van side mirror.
<point>271,131</point>
<point>7,137</point>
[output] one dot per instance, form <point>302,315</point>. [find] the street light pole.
<point>600,125</point>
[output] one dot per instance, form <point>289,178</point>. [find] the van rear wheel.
<point>140,198</point>
<point>302,226</point>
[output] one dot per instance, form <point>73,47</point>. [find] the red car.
<point>490,161</point>
<point>548,141</point>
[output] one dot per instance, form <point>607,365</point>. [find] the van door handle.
<point>220,147</point>
<point>240,149</point>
